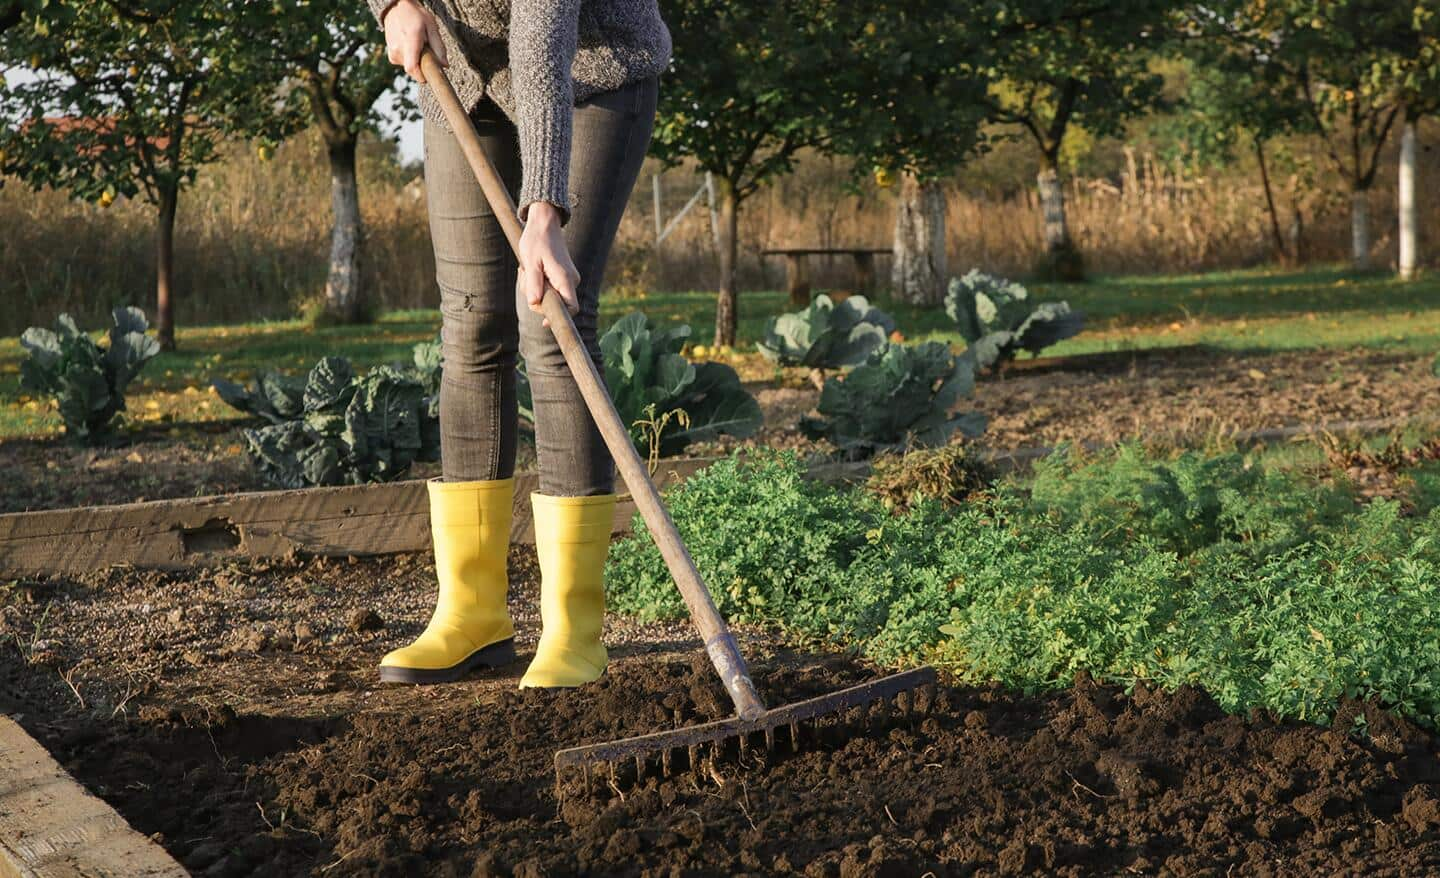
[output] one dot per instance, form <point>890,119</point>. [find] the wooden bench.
<point>797,268</point>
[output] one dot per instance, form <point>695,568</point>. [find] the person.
<point>563,96</point>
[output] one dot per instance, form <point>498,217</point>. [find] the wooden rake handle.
<point>719,642</point>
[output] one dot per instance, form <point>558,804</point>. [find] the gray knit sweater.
<point>535,59</point>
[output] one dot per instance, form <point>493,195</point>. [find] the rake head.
<point>877,700</point>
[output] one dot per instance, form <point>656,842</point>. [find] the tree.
<point>1229,108</point>
<point>917,110</point>
<point>1063,66</point>
<point>1327,59</point>
<point>332,54</point>
<point>128,99</point>
<point>1415,71</point>
<point>753,85</point>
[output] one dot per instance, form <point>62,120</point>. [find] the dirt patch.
<point>1186,394</point>
<point>197,705</point>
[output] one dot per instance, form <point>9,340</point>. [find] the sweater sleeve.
<point>379,6</point>
<point>543,35</point>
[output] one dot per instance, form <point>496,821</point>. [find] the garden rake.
<point>867,702</point>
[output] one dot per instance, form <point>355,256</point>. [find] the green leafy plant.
<point>827,335</point>
<point>1184,504</point>
<point>996,317</point>
<point>340,428</point>
<point>901,397</point>
<point>274,396</point>
<point>87,382</point>
<point>1290,616</point>
<point>649,378</point>
<point>428,362</point>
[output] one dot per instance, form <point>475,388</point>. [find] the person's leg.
<point>470,506</point>
<point>610,139</point>
<point>475,270</point>
<point>574,508</point>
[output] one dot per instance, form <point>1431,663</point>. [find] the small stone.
<point>365,620</point>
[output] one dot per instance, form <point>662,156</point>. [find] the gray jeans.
<point>484,321</point>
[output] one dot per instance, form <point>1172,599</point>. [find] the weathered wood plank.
<point>51,827</point>
<point>824,251</point>
<point>174,534</point>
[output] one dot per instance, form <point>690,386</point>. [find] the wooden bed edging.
<point>364,519</point>
<point>51,827</point>
<point>176,534</point>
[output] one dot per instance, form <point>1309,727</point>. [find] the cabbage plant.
<point>998,319</point>
<point>86,381</point>
<point>652,383</point>
<point>334,427</point>
<point>827,335</point>
<point>899,398</point>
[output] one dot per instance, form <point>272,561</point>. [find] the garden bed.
<point>1185,394</point>
<point>233,711</point>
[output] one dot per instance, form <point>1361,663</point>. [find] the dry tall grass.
<point>252,236</point>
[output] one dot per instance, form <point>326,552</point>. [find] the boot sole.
<point>493,656</point>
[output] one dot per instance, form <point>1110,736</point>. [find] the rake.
<point>866,702</point>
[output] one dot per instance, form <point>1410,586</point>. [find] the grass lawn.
<point>1257,310</point>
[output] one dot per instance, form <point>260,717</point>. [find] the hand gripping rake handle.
<point>719,642</point>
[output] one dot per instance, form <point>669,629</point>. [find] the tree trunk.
<point>1360,228</point>
<point>1279,239</point>
<point>918,268</point>
<point>1061,261</point>
<point>727,306</point>
<point>1052,206</point>
<point>165,267</point>
<point>1409,221</point>
<point>343,291</point>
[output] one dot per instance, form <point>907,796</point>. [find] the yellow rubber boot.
<point>471,627</point>
<point>572,537</point>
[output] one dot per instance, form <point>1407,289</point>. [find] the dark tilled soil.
<point>1183,395</point>
<point>250,747</point>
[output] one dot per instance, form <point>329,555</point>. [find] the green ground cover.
<point>1253,310</point>
<point>1267,587</point>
